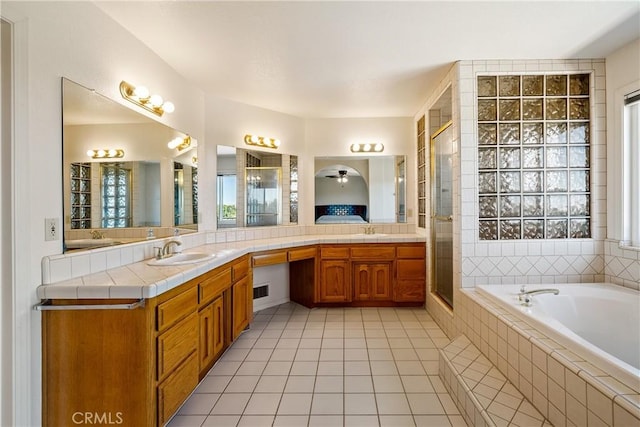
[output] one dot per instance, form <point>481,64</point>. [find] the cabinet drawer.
<point>269,258</point>
<point>411,251</point>
<point>176,344</point>
<point>301,253</point>
<point>176,388</point>
<point>334,252</point>
<point>213,286</point>
<point>373,252</point>
<point>240,269</point>
<point>412,269</point>
<point>169,312</point>
<point>409,291</point>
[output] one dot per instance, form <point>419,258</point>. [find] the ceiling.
<point>361,59</point>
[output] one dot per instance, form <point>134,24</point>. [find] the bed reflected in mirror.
<point>358,190</point>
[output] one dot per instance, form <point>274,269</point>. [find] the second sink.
<point>180,259</point>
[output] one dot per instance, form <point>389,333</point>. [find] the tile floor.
<point>327,367</point>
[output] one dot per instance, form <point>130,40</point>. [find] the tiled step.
<point>482,394</point>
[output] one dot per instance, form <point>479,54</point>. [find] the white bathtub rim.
<point>611,365</point>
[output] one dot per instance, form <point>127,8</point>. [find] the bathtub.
<point>599,322</point>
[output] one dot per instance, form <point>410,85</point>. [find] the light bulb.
<point>378,147</point>
<point>168,107</point>
<point>276,142</point>
<point>91,153</point>
<point>366,147</point>
<point>155,100</point>
<point>141,92</point>
<point>174,143</point>
<point>254,139</point>
<point>101,153</point>
<point>113,152</point>
<point>355,147</point>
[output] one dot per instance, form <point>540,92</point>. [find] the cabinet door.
<point>372,281</point>
<point>334,281</point>
<point>242,303</point>
<point>218,325</point>
<point>206,351</point>
<point>361,282</point>
<point>380,282</point>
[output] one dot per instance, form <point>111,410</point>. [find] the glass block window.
<point>533,156</point>
<point>293,193</point>
<point>80,195</point>
<point>422,174</point>
<point>116,196</point>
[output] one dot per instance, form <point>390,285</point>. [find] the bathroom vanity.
<point>136,360</point>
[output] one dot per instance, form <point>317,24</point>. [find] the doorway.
<point>442,213</point>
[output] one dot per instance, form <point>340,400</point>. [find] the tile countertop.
<point>139,280</point>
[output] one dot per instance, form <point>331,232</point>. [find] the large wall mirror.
<point>255,188</point>
<point>122,182</point>
<point>353,190</point>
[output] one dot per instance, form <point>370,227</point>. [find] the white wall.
<point>382,190</point>
<point>330,192</point>
<point>333,137</point>
<point>622,265</point>
<point>622,77</point>
<point>75,40</point>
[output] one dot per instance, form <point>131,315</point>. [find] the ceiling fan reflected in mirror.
<point>341,177</point>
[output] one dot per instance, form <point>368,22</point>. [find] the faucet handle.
<point>523,289</point>
<point>158,252</point>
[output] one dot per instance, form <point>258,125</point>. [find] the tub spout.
<point>526,297</point>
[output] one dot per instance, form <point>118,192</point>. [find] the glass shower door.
<point>442,213</point>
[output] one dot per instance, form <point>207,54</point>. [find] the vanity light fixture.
<point>366,148</point>
<point>180,144</point>
<point>140,96</point>
<point>261,141</point>
<point>107,153</point>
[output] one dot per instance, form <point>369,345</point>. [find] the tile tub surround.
<point>122,272</point>
<point>564,388</point>
<point>621,264</point>
<point>482,394</point>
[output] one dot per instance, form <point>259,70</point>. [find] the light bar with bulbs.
<point>261,141</point>
<point>141,97</point>
<point>179,143</point>
<point>108,153</point>
<point>367,148</point>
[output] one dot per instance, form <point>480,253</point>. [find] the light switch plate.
<point>51,229</point>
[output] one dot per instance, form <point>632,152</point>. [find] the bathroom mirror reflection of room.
<point>120,177</point>
<point>255,188</point>
<point>356,190</point>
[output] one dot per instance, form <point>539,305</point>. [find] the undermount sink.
<point>181,259</point>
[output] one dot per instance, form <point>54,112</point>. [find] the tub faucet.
<point>526,297</point>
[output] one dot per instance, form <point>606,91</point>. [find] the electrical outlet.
<point>51,226</point>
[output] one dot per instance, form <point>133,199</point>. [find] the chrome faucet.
<point>526,297</point>
<point>165,250</point>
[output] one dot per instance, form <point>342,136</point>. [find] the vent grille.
<point>261,291</point>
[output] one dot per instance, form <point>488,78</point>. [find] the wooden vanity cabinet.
<point>411,273</point>
<point>334,285</point>
<point>138,366</point>
<point>241,296</point>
